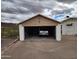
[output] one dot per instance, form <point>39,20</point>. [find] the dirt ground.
<point>5,43</point>
<point>42,48</point>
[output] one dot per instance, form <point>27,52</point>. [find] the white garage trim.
<point>58,32</point>
<point>21,32</point>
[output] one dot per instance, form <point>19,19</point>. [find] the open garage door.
<point>49,31</point>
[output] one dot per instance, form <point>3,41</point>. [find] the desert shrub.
<point>9,32</point>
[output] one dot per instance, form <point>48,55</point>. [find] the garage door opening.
<point>40,31</point>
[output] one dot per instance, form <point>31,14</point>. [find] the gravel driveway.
<point>42,48</point>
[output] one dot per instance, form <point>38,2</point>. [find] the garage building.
<point>40,25</point>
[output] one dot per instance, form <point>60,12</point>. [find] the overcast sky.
<point>14,11</point>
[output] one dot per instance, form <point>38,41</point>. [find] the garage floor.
<point>43,48</point>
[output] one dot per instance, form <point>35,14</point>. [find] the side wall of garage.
<point>58,32</point>
<point>21,32</point>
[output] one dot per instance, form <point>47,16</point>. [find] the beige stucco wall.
<point>40,21</point>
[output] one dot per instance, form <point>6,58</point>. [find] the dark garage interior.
<point>44,31</point>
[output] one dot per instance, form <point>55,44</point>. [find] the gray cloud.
<point>66,1</point>
<point>18,10</point>
<point>64,11</point>
<point>20,7</point>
